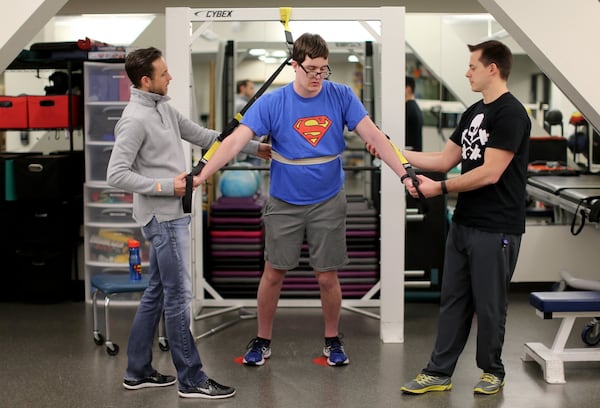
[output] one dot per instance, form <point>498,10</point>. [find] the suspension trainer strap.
<point>413,176</point>
<point>186,200</point>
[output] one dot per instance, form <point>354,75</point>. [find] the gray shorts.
<point>325,227</point>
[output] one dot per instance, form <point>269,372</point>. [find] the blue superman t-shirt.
<point>306,128</point>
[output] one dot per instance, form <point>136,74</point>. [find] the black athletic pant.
<point>478,267</point>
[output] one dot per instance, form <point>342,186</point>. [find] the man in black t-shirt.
<point>491,143</point>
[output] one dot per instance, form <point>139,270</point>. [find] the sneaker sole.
<point>485,392</point>
<point>257,363</point>
<point>253,363</point>
<point>204,396</point>
<point>147,385</point>
<point>427,389</point>
<point>343,363</point>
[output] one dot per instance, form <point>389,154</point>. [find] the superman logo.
<point>313,128</point>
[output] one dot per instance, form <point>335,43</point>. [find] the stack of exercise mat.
<point>236,238</point>
<point>236,245</point>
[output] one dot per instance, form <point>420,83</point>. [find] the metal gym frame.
<point>179,39</point>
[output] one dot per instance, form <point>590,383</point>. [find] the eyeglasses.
<point>314,73</point>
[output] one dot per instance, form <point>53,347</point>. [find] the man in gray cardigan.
<point>148,159</point>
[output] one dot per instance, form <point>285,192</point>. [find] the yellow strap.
<point>399,153</point>
<point>284,15</point>
<point>213,148</point>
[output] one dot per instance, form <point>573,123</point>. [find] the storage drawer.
<point>51,223</point>
<point>8,274</point>
<point>109,245</point>
<point>44,275</point>
<point>9,221</point>
<point>107,83</point>
<point>107,195</point>
<point>118,215</point>
<point>97,157</point>
<point>13,112</point>
<point>52,111</point>
<point>7,176</point>
<point>45,177</point>
<point>101,121</point>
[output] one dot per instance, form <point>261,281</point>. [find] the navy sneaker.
<point>334,351</point>
<point>210,390</point>
<point>257,351</point>
<point>154,380</point>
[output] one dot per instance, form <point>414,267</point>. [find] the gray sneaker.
<point>488,384</point>
<point>425,383</point>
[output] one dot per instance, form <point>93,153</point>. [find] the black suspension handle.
<point>410,170</point>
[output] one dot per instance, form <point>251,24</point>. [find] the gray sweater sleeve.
<point>203,137</point>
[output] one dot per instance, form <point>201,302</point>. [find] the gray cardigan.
<point>148,154</point>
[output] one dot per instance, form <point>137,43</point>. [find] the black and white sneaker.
<point>210,390</point>
<point>154,380</point>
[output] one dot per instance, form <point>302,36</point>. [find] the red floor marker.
<point>239,360</point>
<point>322,361</point>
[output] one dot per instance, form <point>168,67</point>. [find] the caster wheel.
<point>112,350</point>
<point>591,334</point>
<point>163,344</point>
<point>98,339</point>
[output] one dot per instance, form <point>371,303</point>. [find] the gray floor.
<point>49,360</point>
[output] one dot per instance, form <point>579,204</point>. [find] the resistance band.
<point>186,200</point>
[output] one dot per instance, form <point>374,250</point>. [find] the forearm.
<point>226,151</point>
<point>430,161</point>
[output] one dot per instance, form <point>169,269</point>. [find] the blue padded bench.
<point>567,306</point>
<point>110,285</point>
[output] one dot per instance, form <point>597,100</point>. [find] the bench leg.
<point>566,325</point>
<point>111,348</point>
<point>552,365</point>
<point>98,337</point>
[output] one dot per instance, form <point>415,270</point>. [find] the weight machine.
<point>180,36</point>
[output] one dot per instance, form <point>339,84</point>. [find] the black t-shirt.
<point>414,126</point>
<point>502,124</point>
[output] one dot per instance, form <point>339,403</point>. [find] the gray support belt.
<point>304,161</point>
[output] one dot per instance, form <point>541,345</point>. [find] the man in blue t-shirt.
<point>306,121</point>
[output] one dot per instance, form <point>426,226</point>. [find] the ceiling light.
<point>257,52</point>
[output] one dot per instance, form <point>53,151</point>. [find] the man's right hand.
<point>179,184</point>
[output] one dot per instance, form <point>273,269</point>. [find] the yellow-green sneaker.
<point>425,383</point>
<point>488,384</point>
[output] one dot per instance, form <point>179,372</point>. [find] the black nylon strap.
<point>186,200</point>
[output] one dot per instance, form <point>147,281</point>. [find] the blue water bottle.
<point>135,260</point>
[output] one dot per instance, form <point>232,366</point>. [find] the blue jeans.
<point>169,288</point>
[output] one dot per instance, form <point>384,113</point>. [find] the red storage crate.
<point>13,112</point>
<point>52,111</point>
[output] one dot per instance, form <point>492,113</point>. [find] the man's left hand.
<point>264,151</point>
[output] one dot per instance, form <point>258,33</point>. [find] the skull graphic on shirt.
<point>473,139</point>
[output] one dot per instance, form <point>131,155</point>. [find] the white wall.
<point>20,21</point>
<point>548,249</point>
<point>562,39</point>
